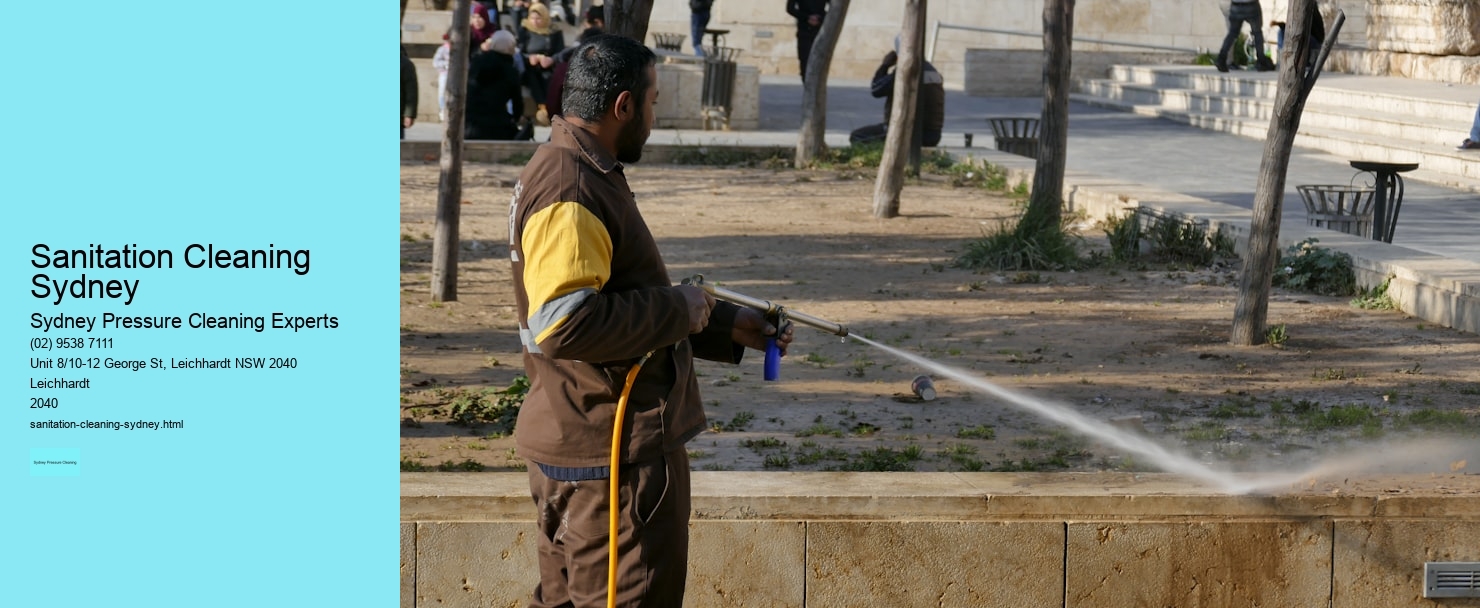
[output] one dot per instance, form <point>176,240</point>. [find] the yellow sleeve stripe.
<point>567,258</point>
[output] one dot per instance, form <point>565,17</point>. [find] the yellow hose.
<point>612,506</point>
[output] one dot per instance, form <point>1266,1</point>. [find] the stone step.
<point>1439,164</point>
<point>1343,116</point>
<point>1374,124</point>
<point>1419,99</point>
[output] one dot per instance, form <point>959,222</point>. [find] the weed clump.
<point>1306,267</point>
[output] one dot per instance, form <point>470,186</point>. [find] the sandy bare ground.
<point>1146,348</point>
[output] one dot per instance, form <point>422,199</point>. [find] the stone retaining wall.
<point>980,539</point>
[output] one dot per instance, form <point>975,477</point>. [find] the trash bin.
<point>668,41</point>
<point>1016,135</point>
<point>1338,207</point>
<point>719,85</point>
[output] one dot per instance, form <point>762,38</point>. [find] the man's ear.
<point>622,109</point>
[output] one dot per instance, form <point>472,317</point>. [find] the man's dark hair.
<point>602,68</point>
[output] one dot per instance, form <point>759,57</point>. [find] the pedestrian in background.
<point>809,15</point>
<point>1473,143</point>
<point>698,22</point>
<point>442,61</point>
<point>1239,13</point>
<point>408,92</point>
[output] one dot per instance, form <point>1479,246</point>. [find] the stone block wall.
<point>1430,27</point>
<point>980,540</point>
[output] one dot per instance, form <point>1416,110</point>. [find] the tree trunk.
<point>1252,309</point>
<point>449,188</point>
<point>628,18</point>
<point>902,113</point>
<point>811,142</point>
<point>1046,203</point>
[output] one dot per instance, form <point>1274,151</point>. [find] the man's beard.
<point>631,138</point>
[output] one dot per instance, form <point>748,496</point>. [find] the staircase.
<point>1346,116</point>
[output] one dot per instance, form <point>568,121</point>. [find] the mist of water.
<point>1154,454</point>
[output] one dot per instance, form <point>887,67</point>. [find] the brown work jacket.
<point>593,296</point>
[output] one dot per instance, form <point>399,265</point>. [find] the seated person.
<point>494,99</point>
<point>930,103</point>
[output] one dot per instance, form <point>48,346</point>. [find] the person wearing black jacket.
<point>408,92</point>
<point>493,87</point>
<point>930,103</point>
<point>809,15</point>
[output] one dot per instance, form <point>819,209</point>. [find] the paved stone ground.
<point>1154,152</point>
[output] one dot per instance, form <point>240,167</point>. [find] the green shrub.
<point>1008,249</point>
<point>1306,267</point>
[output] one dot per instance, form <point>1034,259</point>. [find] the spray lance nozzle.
<point>775,313</point>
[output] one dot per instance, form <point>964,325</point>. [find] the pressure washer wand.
<point>777,314</point>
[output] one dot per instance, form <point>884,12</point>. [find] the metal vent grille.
<point>1451,579</point>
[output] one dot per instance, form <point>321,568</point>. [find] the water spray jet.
<point>1108,432</point>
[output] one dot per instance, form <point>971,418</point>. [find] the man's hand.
<point>407,121</point>
<point>814,20</point>
<point>699,304</point>
<point>751,330</point>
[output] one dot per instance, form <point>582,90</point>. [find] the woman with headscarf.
<point>482,28</point>
<point>539,43</point>
<point>494,100</point>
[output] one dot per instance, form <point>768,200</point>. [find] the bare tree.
<point>902,113</point>
<point>1295,83</point>
<point>628,18</point>
<point>449,188</point>
<point>811,142</point>
<point>1046,203</point>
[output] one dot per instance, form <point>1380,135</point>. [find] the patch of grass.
<point>777,461</point>
<point>1207,430</point>
<point>1124,233</point>
<point>1375,298</point>
<point>1006,248</point>
<point>864,429</point>
<point>1341,416</point>
<point>964,456</point>
<point>1235,408</point>
<point>966,174</point>
<point>1432,419</point>
<point>468,465</point>
<point>1330,373</point>
<point>980,431</point>
<point>809,455</point>
<point>726,156</point>
<point>819,429</point>
<point>860,365</point>
<point>860,156</point>
<point>412,466</point>
<point>498,408</point>
<point>885,459</point>
<point>739,422</point>
<point>767,443</point>
<point>818,359</point>
<point>1276,335</point>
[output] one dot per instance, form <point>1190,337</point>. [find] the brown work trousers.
<point>653,533</point>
